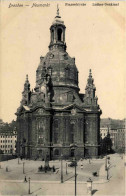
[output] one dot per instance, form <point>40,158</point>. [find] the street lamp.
<point>66,168</point>
<point>18,158</point>
<point>61,168</point>
<point>107,173</point>
<point>106,163</point>
<point>23,167</point>
<point>75,178</point>
<point>73,147</point>
<point>29,186</point>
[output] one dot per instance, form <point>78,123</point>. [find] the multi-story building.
<point>116,129</point>
<point>118,139</point>
<point>8,142</point>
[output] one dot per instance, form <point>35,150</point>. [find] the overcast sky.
<point>94,36</point>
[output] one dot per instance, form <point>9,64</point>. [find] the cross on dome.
<point>57,10</point>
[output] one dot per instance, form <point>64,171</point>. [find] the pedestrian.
<point>81,163</point>
<point>21,157</point>
<point>25,180</point>
<point>6,168</point>
<point>53,168</point>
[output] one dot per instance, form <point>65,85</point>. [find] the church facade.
<point>55,115</point>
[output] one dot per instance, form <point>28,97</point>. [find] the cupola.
<point>57,33</point>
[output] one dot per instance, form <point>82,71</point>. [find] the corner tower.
<point>26,92</point>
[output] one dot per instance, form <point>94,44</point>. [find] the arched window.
<point>56,137</point>
<point>59,34</point>
<point>72,133</point>
<point>52,35</point>
<point>40,132</point>
<point>40,139</point>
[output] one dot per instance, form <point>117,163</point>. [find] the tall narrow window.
<point>56,123</point>
<point>55,137</point>
<point>72,133</point>
<point>40,139</point>
<point>55,128</point>
<point>59,34</point>
<point>40,132</point>
<point>72,153</point>
<point>52,35</point>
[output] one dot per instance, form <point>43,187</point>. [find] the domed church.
<point>55,115</point>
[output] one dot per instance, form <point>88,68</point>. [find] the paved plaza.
<point>12,181</point>
<point>31,170</point>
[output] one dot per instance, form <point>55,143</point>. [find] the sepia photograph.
<point>62,98</point>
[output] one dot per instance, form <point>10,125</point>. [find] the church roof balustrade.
<point>70,107</point>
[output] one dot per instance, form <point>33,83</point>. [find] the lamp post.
<point>23,167</point>
<point>73,147</point>
<point>107,173</point>
<point>18,158</point>
<point>29,186</point>
<point>106,163</point>
<point>19,147</point>
<point>66,168</point>
<point>61,168</point>
<point>75,179</point>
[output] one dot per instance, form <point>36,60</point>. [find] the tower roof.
<point>90,81</point>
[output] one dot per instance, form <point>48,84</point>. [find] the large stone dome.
<point>60,66</point>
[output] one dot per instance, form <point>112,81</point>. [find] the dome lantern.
<point>57,33</point>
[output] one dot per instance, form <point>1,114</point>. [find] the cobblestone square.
<point>12,182</point>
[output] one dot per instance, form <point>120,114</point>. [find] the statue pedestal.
<point>46,163</point>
